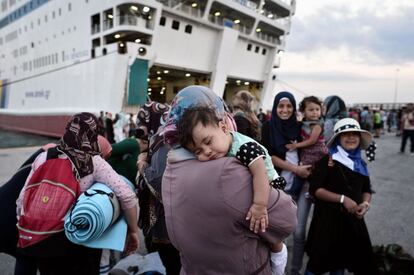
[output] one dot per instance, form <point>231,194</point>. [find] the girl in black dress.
<point>338,238</point>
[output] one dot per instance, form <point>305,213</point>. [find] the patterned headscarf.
<point>282,131</point>
<point>80,142</point>
<point>149,119</point>
<point>192,96</point>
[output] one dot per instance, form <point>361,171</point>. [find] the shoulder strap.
<point>52,153</point>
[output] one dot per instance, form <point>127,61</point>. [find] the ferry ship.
<point>61,57</point>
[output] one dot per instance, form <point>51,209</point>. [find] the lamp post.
<point>396,87</point>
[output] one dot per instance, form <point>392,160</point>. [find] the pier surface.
<point>390,218</point>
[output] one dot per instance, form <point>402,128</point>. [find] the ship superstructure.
<point>62,57</point>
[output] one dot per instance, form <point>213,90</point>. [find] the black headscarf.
<point>282,131</point>
<point>335,107</point>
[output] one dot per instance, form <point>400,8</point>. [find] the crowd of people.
<point>217,189</point>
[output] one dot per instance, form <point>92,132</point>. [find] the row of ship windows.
<point>256,49</point>
<point>13,35</point>
<point>24,50</point>
<point>23,11</point>
<point>5,2</point>
<point>175,25</point>
<point>42,61</point>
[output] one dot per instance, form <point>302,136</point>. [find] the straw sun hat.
<point>350,125</point>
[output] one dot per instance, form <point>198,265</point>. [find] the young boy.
<point>209,138</point>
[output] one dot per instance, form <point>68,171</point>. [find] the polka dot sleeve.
<point>104,173</point>
<point>249,152</point>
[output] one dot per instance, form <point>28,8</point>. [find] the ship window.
<point>96,42</point>
<point>56,57</point>
<point>249,47</point>
<point>53,14</point>
<point>45,18</point>
<point>60,11</point>
<point>69,6</point>
<point>188,29</point>
<point>256,50</point>
<point>38,21</point>
<point>162,21</point>
<point>32,45</point>
<point>63,56</point>
<point>175,25</point>
<point>264,51</point>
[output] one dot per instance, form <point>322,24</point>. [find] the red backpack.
<point>48,196</point>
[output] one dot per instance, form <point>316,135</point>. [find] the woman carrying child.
<point>338,238</point>
<point>196,191</point>
<point>282,129</point>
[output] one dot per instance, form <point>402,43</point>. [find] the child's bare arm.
<point>261,185</point>
<point>261,188</point>
<point>314,136</point>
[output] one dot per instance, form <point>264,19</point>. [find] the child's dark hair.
<point>190,118</point>
<point>307,100</point>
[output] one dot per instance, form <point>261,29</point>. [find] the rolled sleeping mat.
<point>96,220</point>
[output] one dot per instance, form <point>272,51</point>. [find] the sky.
<point>362,51</point>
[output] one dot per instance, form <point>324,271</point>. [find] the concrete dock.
<point>390,219</point>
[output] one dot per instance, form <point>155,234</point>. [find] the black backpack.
<point>392,259</point>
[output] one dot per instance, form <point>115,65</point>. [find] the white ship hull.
<point>63,57</point>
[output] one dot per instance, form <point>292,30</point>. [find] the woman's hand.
<point>291,146</point>
<point>362,208</point>
<point>350,205</point>
<point>142,162</point>
<point>132,242</point>
<point>303,171</point>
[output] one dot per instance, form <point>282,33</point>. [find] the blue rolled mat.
<point>96,221</point>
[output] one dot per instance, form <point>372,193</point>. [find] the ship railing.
<point>229,23</point>
<point>285,22</point>
<point>182,6</point>
<point>95,28</point>
<point>108,24</point>
<point>248,4</point>
<point>132,20</point>
<point>171,3</point>
<point>289,2</point>
<point>191,11</point>
<point>268,38</point>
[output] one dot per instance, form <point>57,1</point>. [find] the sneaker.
<point>278,261</point>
